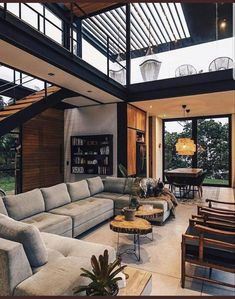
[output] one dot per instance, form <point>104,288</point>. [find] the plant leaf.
<point>95,265</point>
<point>117,271</point>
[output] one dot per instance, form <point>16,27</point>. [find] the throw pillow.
<point>95,185</point>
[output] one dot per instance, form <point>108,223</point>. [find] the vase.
<point>129,213</point>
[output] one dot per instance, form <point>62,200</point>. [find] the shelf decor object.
<point>92,154</point>
<point>150,68</point>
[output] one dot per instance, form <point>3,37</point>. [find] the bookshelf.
<point>92,154</point>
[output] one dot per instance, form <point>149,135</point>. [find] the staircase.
<point>22,110</point>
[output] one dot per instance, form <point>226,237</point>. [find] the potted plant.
<point>132,185</point>
<point>103,276</point>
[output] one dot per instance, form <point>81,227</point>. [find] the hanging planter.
<point>118,73</point>
<point>150,68</point>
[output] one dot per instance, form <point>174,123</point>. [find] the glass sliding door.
<point>213,138</point>
<point>173,130</point>
<point>213,154</point>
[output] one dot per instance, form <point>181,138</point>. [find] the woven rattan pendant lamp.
<point>185,146</point>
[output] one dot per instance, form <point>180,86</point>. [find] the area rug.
<point>208,192</point>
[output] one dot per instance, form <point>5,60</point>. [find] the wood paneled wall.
<point>42,150</point>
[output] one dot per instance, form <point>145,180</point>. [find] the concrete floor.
<point>162,256</point>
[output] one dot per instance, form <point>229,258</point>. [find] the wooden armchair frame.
<point>200,261</point>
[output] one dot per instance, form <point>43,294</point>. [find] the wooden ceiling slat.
<point>89,7</point>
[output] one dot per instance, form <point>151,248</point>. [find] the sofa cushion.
<point>59,278</point>
<point>75,247</point>
<point>25,204</point>
<point>78,190</point>
<point>51,223</point>
<point>83,210</point>
<point>95,185</point>
<point>62,272</point>
<point>123,201</point>
<point>109,195</point>
<point>2,207</point>
<point>55,196</point>
<point>26,234</point>
<point>116,185</point>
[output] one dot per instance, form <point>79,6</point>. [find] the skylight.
<point>167,24</point>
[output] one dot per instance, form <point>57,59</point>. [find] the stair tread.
<point>17,106</point>
<point>27,102</point>
<point>9,112</point>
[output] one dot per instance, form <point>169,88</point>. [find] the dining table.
<point>181,176</point>
<point>184,172</point>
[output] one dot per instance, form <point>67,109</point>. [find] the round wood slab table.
<point>148,214</point>
<point>136,227</point>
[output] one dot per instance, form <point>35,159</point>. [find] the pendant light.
<point>118,72</point>
<point>185,146</point>
<point>150,68</point>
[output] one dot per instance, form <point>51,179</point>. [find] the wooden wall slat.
<point>42,150</point>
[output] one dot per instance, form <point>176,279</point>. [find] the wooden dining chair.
<point>208,247</point>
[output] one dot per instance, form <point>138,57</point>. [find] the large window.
<point>39,17</point>
<point>212,136</point>
<point>10,162</point>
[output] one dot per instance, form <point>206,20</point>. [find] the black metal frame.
<point>194,137</point>
<point>18,187</point>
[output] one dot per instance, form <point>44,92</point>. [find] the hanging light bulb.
<point>118,72</point>
<point>150,68</point>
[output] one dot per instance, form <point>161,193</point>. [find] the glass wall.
<point>172,132</point>
<point>212,136</point>
<point>213,149</point>
<point>19,78</point>
<point>40,18</point>
<point>10,162</point>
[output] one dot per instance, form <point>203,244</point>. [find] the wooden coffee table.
<point>138,283</point>
<point>136,228</point>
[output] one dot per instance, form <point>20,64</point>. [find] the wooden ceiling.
<point>82,9</point>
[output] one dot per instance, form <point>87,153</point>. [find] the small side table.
<point>139,283</point>
<point>148,214</point>
<point>136,228</point>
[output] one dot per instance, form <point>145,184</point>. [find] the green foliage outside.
<point>7,183</point>
<point>212,150</point>
<point>8,143</point>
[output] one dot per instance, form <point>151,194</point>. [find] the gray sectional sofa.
<point>48,263</point>
<point>69,209</point>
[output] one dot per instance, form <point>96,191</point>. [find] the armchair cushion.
<point>55,196</point>
<point>24,205</point>
<point>78,190</point>
<point>95,185</point>
<point>26,234</point>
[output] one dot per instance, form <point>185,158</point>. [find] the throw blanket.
<point>167,196</point>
